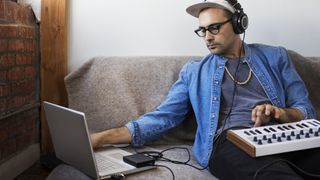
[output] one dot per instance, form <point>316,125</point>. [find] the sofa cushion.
<point>309,70</point>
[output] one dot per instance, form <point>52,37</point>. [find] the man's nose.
<point>209,36</point>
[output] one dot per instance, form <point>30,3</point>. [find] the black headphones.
<point>240,20</point>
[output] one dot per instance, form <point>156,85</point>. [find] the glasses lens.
<point>201,32</point>
<point>214,29</point>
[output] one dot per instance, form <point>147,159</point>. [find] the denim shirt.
<point>199,88</point>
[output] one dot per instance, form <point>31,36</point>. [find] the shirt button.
<point>220,67</point>
<point>214,98</point>
<point>217,82</point>
<point>212,115</point>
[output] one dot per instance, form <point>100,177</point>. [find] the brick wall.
<point>19,79</point>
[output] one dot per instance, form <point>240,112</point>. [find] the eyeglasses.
<point>212,28</point>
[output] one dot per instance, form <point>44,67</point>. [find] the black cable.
<point>159,165</point>
<point>217,137</point>
<point>288,162</point>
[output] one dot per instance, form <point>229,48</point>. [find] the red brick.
<point>11,45</point>
<point>20,45</point>
<point>7,60</point>
<point>16,73</point>
<point>4,90</point>
<point>3,135</point>
<point>23,87</point>
<point>21,59</point>
<point>8,31</point>
<point>25,15</point>
<point>8,148</point>
<point>30,45</point>
<point>30,71</point>
<point>3,45</point>
<point>1,10</point>
<point>3,75</point>
<point>11,11</point>
<point>3,105</point>
<point>26,32</point>
<point>15,102</point>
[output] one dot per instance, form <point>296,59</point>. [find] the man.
<point>236,85</point>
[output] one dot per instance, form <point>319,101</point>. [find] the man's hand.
<point>96,140</point>
<point>262,114</point>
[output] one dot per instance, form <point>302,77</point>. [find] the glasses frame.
<point>212,28</point>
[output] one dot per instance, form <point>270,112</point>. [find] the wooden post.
<point>53,43</point>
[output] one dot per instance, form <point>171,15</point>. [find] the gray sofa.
<point>113,90</point>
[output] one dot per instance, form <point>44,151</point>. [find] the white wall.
<point>162,27</point>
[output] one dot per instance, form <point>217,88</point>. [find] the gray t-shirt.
<point>246,97</point>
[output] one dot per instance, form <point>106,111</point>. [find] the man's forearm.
<point>111,136</point>
<point>290,115</point>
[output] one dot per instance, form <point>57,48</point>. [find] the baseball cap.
<point>195,9</point>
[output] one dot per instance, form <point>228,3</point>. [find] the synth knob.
<point>292,133</point>
<point>310,131</point>
<point>316,134</point>
<point>319,130</point>
<point>269,140</point>
<point>260,142</point>
<point>255,139</point>
<point>274,136</point>
<point>264,137</point>
<point>307,135</point>
<point>288,138</point>
<point>301,132</point>
<point>298,136</point>
<point>283,134</point>
<point>279,139</point>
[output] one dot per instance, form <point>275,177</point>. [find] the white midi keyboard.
<point>280,138</point>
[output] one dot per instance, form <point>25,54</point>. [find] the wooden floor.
<point>36,172</point>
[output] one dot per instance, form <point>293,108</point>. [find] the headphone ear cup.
<point>240,22</point>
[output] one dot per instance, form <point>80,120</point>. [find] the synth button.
<point>307,135</point>
<point>288,138</point>
<point>260,142</point>
<point>292,133</point>
<point>264,137</point>
<point>269,140</point>
<point>310,131</point>
<point>283,134</point>
<point>274,136</point>
<point>279,139</point>
<point>298,136</point>
<point>255,139</point>
<point>316,134</point>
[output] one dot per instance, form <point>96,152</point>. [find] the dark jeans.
<point>228,162</point>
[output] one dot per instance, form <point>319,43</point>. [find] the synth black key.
<point>317,122</point>
<point>266,130</point>
<point>285,127</point>
<point>252,132</point>
<point>303,124</point>
<point>279,127</point>
<point>247,133</point>
<point>311,123</point>
<point>257,131</point>
<point>299,126</point>
<point>272,129</point>
<point>291,127</point>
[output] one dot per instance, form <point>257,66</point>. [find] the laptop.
<point>72,145</point>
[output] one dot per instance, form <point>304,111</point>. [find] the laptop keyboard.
<point>106,164</point>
